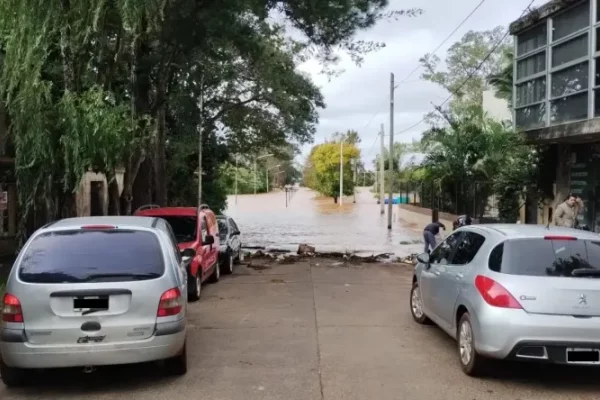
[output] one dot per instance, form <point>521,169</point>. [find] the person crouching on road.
<point>566,213</point>
<point>429,234</point>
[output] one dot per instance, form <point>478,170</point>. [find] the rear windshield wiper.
<point>133,277</point>
<point>586,272</point>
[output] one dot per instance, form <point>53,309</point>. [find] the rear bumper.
<point>166,343</point>
<point>549,351</point>
<point>500,331</point>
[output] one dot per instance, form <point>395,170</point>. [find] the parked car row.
<point>513,292</point>
<point>94,291</point>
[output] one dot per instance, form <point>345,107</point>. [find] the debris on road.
<point>305,249</point>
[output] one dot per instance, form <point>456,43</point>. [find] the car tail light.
<point>170,303</point>
<point>495,294</point>
<point>98,227</point>
<point>559,237</point>
<point>11,311</point>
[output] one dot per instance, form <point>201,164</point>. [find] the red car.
<point>197,234</point>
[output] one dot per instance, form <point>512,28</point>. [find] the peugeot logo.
<point>582,299</point>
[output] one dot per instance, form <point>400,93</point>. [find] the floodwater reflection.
<point>266,220</point>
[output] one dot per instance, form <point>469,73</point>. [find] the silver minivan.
<point>93,291</point>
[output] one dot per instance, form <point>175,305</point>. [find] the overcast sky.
<point>361,94</point>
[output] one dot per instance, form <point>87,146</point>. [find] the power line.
<point>433,52</point>
<point>469,76</point>
<point>444,41</point>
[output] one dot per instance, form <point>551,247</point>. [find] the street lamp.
<point>256,159</point>
<point>277,166</point>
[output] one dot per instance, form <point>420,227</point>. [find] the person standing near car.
<point>566,213</point>
<point>429,233</point>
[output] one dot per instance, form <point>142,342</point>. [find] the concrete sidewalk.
<point>313,331</point>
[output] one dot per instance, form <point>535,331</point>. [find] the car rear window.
<point>92,256</point>
<point>541,257</point>
<point>185,228</point>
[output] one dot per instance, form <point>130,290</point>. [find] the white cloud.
<point>359,98</point>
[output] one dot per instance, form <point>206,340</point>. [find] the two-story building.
<point>556,96</point>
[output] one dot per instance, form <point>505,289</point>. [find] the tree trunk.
<point>335,199</point>
<point>114,206</point>
<point>160,159</point>
<point>143,185</point>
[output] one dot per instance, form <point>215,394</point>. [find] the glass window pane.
<point>597,77</point>
<point>531,117</point>
<point>531,65</point>
<point>572,108</point>
<point>532,39</point>
<point>531,91</point>
<point>597,38</point>
<point>570,80</point>
<point>569,51</point>
<point>571,21</point>
<point>597,103</point>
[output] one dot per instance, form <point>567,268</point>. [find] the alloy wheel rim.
<point>231,262</point>
<point>218,271</point>
<point>416,305</point>
<point>198,285</point>
<point>466,343</point>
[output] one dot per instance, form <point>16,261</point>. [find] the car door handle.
<point>436,273</point>
<point>458,276</point>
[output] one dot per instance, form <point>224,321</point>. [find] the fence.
<point>476,199</point>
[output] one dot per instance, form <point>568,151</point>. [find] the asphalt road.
<point>296,332</point>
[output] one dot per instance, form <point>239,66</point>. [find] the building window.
<point>570,80</point>
<point>569,51</point>
<point>531,116</point>
<point>532,39</point>
<point>571,21</point>
<point>530,92</point>
<point>531,65</point>
<point>597,103</point>
<point>570,108</point>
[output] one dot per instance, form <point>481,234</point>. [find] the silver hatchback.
<point>87,292</point>
<point>513,292</point>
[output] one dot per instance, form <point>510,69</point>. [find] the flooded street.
<point>309,218</point>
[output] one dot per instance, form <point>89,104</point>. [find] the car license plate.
<point>583,356</point>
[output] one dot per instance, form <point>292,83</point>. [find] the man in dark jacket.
<point>429,234</point>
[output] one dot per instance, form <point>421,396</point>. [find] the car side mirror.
<point>189,252</point>
<point>209,240</point>
<point>423,258</point>
<point>235,233</point>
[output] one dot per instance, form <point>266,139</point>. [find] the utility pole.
<point>391,158</point>
<point>255,176</point>
<point>236,174</point>
<point>267,171</point>
<point>341,171</point>
<point>200,127</point>
<point>354,179</point>
<point>382,172</point>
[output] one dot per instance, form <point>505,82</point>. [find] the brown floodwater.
<point>265,221</point>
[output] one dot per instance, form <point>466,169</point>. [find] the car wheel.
<point>240,256</point>
<point>196,288</point>
<point>472,363</point>
<point>228,262</point>
<point>216,275</point>
<point>12,377</point>
<point>178,365</point>
<point>416,306</point>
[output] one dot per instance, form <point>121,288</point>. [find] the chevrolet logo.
<point>582,299</point>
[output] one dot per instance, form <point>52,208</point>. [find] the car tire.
<point>238,259</point>
<point>177,365</point>
<point>216,275</point>
<point>416,306</point>
<point>196,286</point>
<point>471,362</point>
<point>12,377</point>
<point>228,262</point>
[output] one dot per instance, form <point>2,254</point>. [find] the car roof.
<point>170,211</point>
<point>523,231</point>
<point>130,221</point>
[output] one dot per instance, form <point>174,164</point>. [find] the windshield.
<point>184,228</point>
<point>223,229</point>
<point>540,257</point>
<point>92,256</point>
